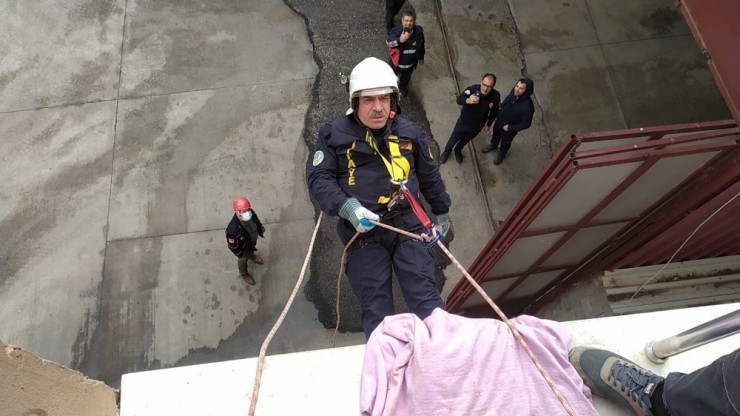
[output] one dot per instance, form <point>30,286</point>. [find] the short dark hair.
<point>409,13</point>
<point>488,74</point>
<point>522,80</point>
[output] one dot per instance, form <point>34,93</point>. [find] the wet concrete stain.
<point>90,79</point>
<point>26,226</point>
<point>94,11</point>
<point>35,412</point>
<point>662,20</point>
<point>662,80</point>
<point>172,164</point>
<point>185,44</point>
<point>125,329</point>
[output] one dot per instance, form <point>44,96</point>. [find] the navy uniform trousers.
<point>499,136</point>
<point>369,264</point>
<point>712,390</point>
<point>461,135</point>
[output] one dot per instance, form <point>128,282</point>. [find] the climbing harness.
<point>398,168</point>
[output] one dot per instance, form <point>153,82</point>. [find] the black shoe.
<point>499,158</point>
<point>443,157</point>
<point>612,376</point>
<point>249,279</point>
<point>489,148</point>
<point>458,156</point>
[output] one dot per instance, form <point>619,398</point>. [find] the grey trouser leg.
<point>712,390</point>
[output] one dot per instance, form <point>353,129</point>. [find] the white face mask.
<point>246,216</point>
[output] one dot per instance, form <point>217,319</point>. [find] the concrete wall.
<point>582,299</point>
<point>31,386</point>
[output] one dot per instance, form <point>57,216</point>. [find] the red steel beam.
<point>545,269</point>
<point>608,199</point>
<point>714,24</point>
<point>653,131</point>
<point>650,153</point>
<point>657,143</point>
<point>723,171</point>
<point>563,228</point>
<point>520,217</point>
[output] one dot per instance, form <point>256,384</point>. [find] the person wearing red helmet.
<point>241,236</point>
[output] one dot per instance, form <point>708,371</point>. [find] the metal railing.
<point>718,328</point>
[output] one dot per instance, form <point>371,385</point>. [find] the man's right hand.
<point>473,99</point>
<point>357,215</point>
<point>404,37</point>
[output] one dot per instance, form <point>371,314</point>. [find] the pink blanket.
<point>449,365</point>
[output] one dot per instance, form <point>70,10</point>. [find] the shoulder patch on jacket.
<point>406,145</point>
<point>318,157</point>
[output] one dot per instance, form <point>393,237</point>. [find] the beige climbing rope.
<point>421,237</point>
<point>263,349</point>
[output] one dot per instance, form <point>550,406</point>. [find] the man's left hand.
<point>442,225</point>
<point>506,127</point>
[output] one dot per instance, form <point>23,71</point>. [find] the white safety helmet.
<point>372,77</point>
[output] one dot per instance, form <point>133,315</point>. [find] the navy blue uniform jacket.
<point>238,238</point>
<point>344,166</point>
<point>516,111</point>
<point>475,115</point>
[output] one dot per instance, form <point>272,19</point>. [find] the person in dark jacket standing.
<point>356,171</point>
<point>479,108</point>
<point>406,49</point>
<point>514,116</point>
<point>241,236</point>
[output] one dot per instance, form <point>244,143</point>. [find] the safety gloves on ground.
<point>355,213</point>
<point>442,225</point>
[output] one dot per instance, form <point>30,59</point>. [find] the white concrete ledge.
<point>327,382</point>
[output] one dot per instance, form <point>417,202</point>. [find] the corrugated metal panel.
<point>682,284</point>
<point>592,196</point>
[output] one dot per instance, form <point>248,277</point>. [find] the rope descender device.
<point>430,235</point>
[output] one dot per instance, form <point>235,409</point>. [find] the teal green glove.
<point>442,225</point>
<point>355,213</point>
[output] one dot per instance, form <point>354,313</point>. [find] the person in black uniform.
<point>514,116</point>
<point>241,236</point>
<point>406,48</point>
<point>479,108</point>
<point>357,165</point>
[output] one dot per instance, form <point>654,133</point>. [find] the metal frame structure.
<point>602,197</point>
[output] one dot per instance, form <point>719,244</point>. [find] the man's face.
<point>520,88</point>
<point>408,23</point>
<point>373,111</point>
<point>486,85</point>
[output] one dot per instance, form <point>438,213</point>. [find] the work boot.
<point>249,279</point>
<point>616,378</point>
<point>489,147</point>
<point>458,156</point>
<point>499,158</point>
<point>443,157</point>
<point>256,258</point>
